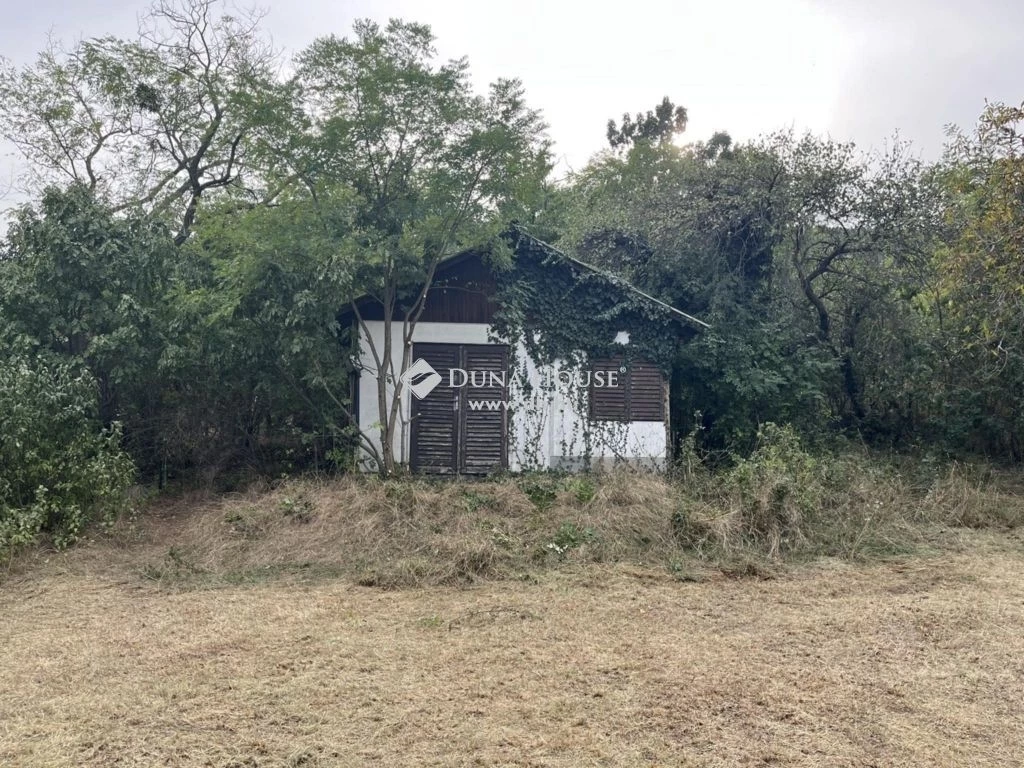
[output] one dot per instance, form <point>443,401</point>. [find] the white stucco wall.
<point>549,428</point>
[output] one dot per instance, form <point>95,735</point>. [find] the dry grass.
<point>399,533</point>
<point>404,533</point>
<point>919,663</point>
<point>785,504</point>
<point>544,621</point>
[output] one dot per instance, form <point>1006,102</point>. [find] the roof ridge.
<point>616,279</point>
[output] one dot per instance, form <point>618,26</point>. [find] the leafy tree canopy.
<point>660,124</point>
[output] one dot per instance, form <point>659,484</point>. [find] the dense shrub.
<point>766,500</point>
<point>59,469</point>
<point>777,486</point>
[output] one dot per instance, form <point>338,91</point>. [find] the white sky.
<point>856,69</point>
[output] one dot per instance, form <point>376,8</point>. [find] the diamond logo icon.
<point>421,379</point>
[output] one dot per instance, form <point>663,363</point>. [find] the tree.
<point>980,294</point>
<point>695,226</point>
<point>854,224</point>
<point>791,247</point>
<point>257,355</point>
<point>187,110</point>
<point>286,199</point>
<point>79,282</point>
<point>983,269</point>
<point>661,124</point>
<point>405,166</point>
<point>91,288</point>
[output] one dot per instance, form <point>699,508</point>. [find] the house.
<point>549,364</point>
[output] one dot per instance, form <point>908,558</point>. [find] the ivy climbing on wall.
<point>565,314</point>
<point>564,311</point>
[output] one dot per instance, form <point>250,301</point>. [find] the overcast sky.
<point>855,69</point>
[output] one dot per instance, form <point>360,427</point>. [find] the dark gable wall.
<point>462,292</point>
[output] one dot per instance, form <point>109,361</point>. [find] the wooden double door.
<point>461,426</point>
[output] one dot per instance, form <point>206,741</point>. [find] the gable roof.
<point>611,277</point>
<point>519,233</point>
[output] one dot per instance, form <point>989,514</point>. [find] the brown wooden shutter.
<point>449,436</point>
<point>484,430</point>
<point>433,433</point>
<point>608,403</point>
<point>639,396</point>
<point>646,392</point>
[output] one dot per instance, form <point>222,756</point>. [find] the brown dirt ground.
<point>914,663</point>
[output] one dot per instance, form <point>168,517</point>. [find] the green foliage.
<point>219,353</point>
<point>799,251</point>
<point>255,344</point>
<point>583,488</point>
<point>541,489</point>
<point>743,370</point>
<point>89,287</point>
<point>403,164</point>
<point>569,536</point>
<point>544,489</point>
<point>782,502</point>
<point>561,311</point>
<point>186,112</point>
<point>430,165</point>
<point>476,501</point>
<point>59,469</point>
<point>661,124</point>
<point>770,501</point>
<point>79,282</point>
<point>980,287</point>
<point>379,162</point>
<point>778,486</point>
<point>298,510</point>
<point>220,216</point>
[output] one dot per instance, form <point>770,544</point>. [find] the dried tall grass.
<point>405,532</point>
<point>408,531</point>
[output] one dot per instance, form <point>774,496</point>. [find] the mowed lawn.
<point>914,663</point>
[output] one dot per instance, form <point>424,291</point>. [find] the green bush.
<point>570,536</point>
<point>541,488</point>
<point>772,501</point>
<point>59,469</point>
<point>778,486</point>
<point>582,488</point>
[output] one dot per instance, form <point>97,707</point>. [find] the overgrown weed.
<point>779,505</point>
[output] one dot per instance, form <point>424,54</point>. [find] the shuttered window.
<point>449,436</point>
<point>608,403</point>
<point>639,394</point>
<point>646,392</point>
